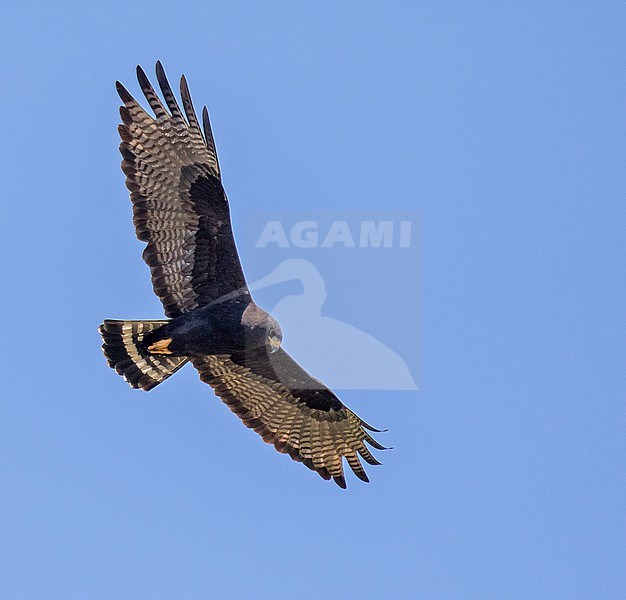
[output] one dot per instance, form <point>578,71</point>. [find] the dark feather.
<point>151,96</point>
<point>166,90</point>
<point>210,141</point>
<point>188,104</point>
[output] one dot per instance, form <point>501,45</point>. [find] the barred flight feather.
<point>179,205</point>
<point>315,428</point>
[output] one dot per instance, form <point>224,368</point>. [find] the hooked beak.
<point>274,344</point>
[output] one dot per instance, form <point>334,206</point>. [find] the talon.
<point>161,347</point>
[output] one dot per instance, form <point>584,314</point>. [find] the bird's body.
<point>181,211</point>
<point>219,328</point>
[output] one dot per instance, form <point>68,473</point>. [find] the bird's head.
<point>261,329</point>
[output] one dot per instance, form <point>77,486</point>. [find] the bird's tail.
<point>124,349</point>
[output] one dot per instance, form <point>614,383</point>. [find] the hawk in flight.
<point>181,211</point>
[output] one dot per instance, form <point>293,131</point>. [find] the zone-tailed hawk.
<point>181,211</point>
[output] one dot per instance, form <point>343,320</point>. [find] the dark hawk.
<point>181,211</point>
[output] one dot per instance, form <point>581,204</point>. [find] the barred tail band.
<point>124,350</point>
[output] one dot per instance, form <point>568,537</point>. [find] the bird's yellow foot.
<point>161,347</point>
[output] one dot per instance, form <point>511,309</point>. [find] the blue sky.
<point>501,127</point>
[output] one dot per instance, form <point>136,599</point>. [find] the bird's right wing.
<point>287,407</point>
<point>179,206</point>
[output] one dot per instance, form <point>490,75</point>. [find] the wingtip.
<point>323,473</point>
<point>185,94</point>
<point>206,124</point>
<point>369,458</point>
<point>371,428</point>
<point>160,71</point>
<point>340,481</point>
<point>124,94</point>
<point>363,477</point>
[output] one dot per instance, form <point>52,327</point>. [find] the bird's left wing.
<point>179,206</point>
<point>287,407</point>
